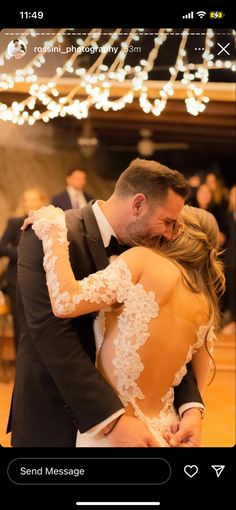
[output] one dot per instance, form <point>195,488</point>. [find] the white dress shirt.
<point>106,232</point>
<point>104,226</point>
<point>77,197</point>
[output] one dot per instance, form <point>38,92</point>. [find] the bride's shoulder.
<point>144,255</point>
<point>153,270</point>
<point>137,259</point>
<point>146,262</point>
<point>144,251</point>
<point>147,256</point>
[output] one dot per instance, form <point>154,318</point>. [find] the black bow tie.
<point>115,248</point>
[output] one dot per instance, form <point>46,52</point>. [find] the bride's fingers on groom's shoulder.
<point>23,226</point>
<point>27,222</point>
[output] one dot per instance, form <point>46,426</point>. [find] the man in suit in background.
<point>74,197</point>
<point>32,198</point>
<point>8,248</point>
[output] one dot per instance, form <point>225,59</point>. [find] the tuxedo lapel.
<point>93,237</point>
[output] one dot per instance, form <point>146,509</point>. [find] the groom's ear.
<point>139,204</point>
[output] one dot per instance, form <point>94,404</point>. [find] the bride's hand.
<point>48,213</point>
<point>187,433</point>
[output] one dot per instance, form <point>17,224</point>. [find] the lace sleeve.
<point>69,297</point>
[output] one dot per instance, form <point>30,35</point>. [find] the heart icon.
<point>190,470</point>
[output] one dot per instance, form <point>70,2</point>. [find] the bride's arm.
<point>69,297</point>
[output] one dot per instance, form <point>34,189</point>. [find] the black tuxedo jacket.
<point>8,246</point>
<point>64,202</point>
<point>57,388</point>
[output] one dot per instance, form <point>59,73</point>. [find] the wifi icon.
<point>201,14</point>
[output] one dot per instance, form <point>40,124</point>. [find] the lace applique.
<point>139,307</point>
<point>100,329</point>
<point>203,332</point>
<point>109,285</point>
<point>42,227</point>
<point>159,424</point>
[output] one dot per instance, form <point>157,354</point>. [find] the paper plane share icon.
<point>218,469</point>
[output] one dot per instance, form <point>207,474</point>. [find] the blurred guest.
<point>230,262</point>
<point>194,181</point>
<point>204,197</point>
<point>74,197</point>
<point>32,198</point>
<point>219,193</point>
<point>205,200</point>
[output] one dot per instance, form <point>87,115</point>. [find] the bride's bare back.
<point>159,360</point>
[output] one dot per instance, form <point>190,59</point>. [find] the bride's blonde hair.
<point>196,252</point>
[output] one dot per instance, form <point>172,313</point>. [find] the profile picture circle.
<point>16,49</point>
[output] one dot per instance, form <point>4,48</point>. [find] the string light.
<point>96,84</point>
<point>167,90</point>
<point>196,100</point>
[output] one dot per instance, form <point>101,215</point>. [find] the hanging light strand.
<point>196,100</point>
<point>96,84</point>
<point>167,90</point>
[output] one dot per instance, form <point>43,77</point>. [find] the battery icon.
<point>216,14</point>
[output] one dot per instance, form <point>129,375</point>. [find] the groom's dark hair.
<point>152,179</point>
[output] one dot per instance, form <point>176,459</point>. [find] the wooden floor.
<point>219,397</point>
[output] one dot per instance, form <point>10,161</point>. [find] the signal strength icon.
<point>188,16</point>
<point>201,14</point>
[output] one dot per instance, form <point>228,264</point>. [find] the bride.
<point>157,307</point>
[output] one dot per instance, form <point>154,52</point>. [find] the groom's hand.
<point>187,433</point>
<point>130,432</point>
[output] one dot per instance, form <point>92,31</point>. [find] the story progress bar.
<point>118,503</point>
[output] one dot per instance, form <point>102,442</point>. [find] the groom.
<point>57,389</point>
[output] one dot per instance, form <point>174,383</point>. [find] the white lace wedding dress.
<point>141,354</point>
